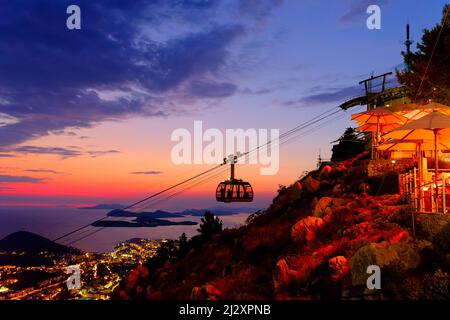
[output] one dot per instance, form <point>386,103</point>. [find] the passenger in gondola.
<point>229,194</point>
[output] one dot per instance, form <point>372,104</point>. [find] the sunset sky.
<point>86,115</point>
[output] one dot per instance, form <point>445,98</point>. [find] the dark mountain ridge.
<point>24,241</point>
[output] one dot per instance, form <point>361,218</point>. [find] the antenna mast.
<point>408,44</point>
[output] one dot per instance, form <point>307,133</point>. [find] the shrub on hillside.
<point>210,225</point>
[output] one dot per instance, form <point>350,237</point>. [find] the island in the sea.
<point>158,217</point>
<point>141,222</point>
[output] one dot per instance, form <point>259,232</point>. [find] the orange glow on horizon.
<point>112,176</point>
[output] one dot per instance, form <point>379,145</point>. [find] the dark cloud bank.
<point>52,78</point>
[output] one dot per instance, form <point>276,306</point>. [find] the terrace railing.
<point>423,194</point>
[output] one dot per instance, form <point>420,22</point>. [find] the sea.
<point>51,222</point>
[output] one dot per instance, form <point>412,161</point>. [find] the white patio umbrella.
<point>377,119</point>
<point>435,125</point>
<point>423,110</point>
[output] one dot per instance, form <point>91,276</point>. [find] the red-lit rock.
<point>337,190</point>
<point>311,184</point>
<point>339,267</point>
<point>322,205</point>
<point>296,190</point>
<point>282,274</point>
<point>325,206</point>
<point>305,229</point>
<point>325,172</point>
<point>400,237</point>
<point>206,292</point>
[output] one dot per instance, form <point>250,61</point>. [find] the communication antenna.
<point>408,44</point>
<point>319,159</point>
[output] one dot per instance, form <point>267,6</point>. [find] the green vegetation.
<point>436,82</point>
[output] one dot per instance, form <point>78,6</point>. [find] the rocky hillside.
<point>315,241</point>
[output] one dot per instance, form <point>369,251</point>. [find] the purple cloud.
<point>52,78</point>
<point>147,172</point>
<point>68,152</point>
<point>20,179</point>
<point>64,152</point>
<point>325,95</point>
<point>95,154</point>
<point>257,92</point>
<point>333,95</point>
<point>44,171</point>
<point>358,10</point>
<point>208,89</point>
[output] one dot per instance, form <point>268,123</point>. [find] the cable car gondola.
<point>234,190</point>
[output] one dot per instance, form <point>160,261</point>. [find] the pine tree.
<point>436,83</point>
<point>183,245</point>
<point>210,225</point>
<point>349,145</point>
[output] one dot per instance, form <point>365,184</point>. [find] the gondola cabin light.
<point>234,190</point>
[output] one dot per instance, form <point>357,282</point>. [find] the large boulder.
<point>296,190</point>
<point>339,267</point>
<point>311,184</point>
<point>325,172</point>
<point>325,205</point>
<point>389,257</point>
<point>321,206</point>
<point>282,274</point>
<point>206,292</point>
<point>305,229</point>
